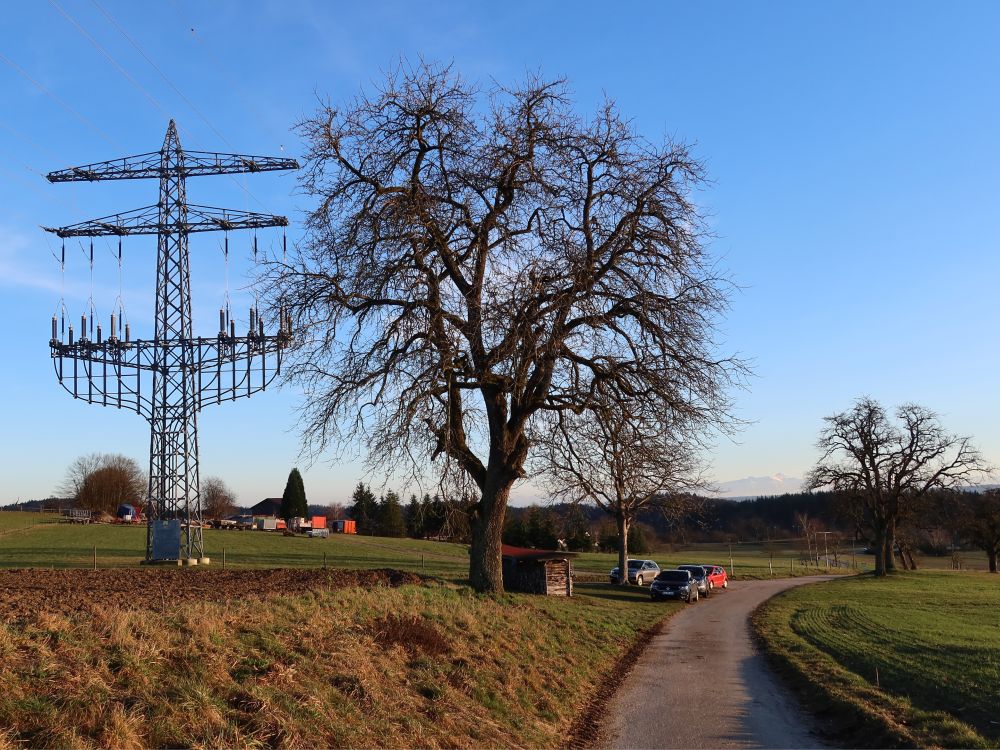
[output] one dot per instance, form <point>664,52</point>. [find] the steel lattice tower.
<point>169,379</point>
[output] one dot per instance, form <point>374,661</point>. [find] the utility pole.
<point>826,552</point>
<point>171,377</point>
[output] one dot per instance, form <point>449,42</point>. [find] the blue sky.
<point>853,149</point>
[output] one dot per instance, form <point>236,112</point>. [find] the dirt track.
<point>702,684</point>
<point>24,593</point>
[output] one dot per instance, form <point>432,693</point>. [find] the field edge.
<point>849,711</point>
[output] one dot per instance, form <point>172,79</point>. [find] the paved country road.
<point>705,665</point>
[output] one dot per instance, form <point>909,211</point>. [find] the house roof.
<point>523,553</point>
<point>268,506</point>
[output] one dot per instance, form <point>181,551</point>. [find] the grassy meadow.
<point>38,540</point>
<point>909,660</point>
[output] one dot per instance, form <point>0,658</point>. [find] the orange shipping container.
<point>319,522</point>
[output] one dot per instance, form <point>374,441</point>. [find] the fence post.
<point>223,558</point>
<point>324,560</point>
<point>95,557</point>
<point>770,560</point>
<point>732,567</point>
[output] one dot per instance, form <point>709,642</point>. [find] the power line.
<point>234,84</point>
<point>128,76</point>
<point>59,101</point>
<point>162,74</point>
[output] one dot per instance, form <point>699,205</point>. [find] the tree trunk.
<point>485,559</point>
<point>622,549</point>
<point>992,555</point>
<point>909,557</point>
<point>890,548</point>
<point>880,546</point>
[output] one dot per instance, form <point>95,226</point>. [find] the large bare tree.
<point>104,481</point>
<point>476,261</point>
<point>217,499</point>
<point>886,466</point>
<point>976,516</point>
<point>625,456</point>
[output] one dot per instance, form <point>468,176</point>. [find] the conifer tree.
<point>293,500</point>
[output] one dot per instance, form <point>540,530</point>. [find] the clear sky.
<point>853,149</point>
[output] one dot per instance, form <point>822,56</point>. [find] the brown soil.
<point>25,593</point>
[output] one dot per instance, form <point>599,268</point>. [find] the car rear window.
<point>696,570</point>
<point>673,576</point>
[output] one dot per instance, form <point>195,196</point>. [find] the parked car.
<point>674,584</point>
<point>700,575</point>
<point>717,576</point>
<point>639,572</point>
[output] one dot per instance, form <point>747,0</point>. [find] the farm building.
<point>269,507</point>
<point>536,571</point>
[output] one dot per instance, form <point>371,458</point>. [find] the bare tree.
<point>104,481</point>
<point>217,500</point>
<point>473,264</point>
<point>887,466</point>
<point>625,458</point>
<point>977,518</point>
<point>77,473</point>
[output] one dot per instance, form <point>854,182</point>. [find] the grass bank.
<point>910,660</point>
<point>430,665</point>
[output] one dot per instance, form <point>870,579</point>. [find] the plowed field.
<point>24,593</point>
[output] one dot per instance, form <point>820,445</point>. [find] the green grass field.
<point>33,540</point>
<point>908,660</point>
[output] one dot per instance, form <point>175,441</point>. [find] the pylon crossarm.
<point>196,164</point>
<point>105,381</point>
<point>239,367</point>
<point>147,220</point>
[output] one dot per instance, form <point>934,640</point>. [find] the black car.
<point>674,584</point>
<point>700,575</point>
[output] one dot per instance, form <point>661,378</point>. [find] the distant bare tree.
<point>887,466</point>
<point>77,472</point>
<point>217,500</point>
<point>625,457</point>
<point>473,264</point>
<point>103,481</point>
<point>977,517</point>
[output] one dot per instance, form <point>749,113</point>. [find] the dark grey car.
<point>700,575</point>
<point>674,584</point>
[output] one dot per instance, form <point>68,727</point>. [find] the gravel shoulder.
<point>703,684</point>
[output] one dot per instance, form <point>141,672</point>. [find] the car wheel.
<point>638,580</point>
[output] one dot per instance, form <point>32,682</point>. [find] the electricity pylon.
<point>170,378</point>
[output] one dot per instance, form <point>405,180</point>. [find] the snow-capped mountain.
<point>776,484</point>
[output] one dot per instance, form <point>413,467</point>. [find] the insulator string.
<point>225,255</point>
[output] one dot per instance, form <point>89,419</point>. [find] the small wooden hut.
<point>537,571</point>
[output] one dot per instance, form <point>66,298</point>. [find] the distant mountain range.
<point>776,484</point>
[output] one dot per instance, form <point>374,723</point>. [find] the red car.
<point>717,576</point>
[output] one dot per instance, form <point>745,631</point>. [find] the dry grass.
<point>431,665</point>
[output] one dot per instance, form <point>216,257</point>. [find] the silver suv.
<point>640,572</point>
